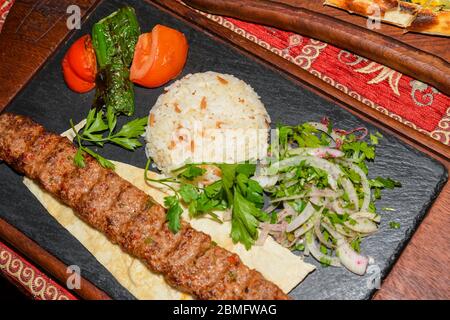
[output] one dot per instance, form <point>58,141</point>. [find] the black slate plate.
<point>47,100</point>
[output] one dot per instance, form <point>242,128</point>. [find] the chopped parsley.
<point>100,129</point>
<point>235,191</point>
<point>394,225</point>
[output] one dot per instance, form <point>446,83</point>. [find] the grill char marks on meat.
<point>151,238</point>
<point>182,260</point>
<point>130,202</point>
<point>233,284</point>
<point>33,159</point>
<point>56,166</point>
<point>12,145</point>
<point>80,182</point>
<point>189,260</point>
<point>94,206</point>
<point>258,288</point>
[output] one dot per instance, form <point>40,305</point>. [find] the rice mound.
<point>207,117</point>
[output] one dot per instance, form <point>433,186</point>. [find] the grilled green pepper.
<point>114,39</point>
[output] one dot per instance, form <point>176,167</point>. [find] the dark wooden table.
<point>33,32</point>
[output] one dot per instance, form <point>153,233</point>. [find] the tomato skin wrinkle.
<point>159,57</point>
<point>74,82</point>
<point>79,65</point>
<point>82,60</point>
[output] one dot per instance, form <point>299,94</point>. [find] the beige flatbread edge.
<point>395,17</point>
<point>275,262</point>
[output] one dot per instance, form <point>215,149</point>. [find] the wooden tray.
<point>397,287</point>
<point>420,56</point>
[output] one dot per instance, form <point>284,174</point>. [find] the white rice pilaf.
<point>207,117</point>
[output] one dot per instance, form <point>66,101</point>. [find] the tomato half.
<point>73,81</point>
<point>82,60</point>
<point>159,57</point>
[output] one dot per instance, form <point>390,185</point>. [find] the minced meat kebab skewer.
<point>189,260</point>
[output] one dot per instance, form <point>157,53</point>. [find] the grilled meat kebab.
<point>189,260</point>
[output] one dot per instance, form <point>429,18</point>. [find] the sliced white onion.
<point>324,128</point>
<point>283,214</point>
<point>301,218</point>
<point>227,214</point>
<point>316,253</point>
<point>362,225</point>
<point>364,183</point>
<point>270,208</point>
<point>305,228</point>
<point>288,210</point>
<point>333,171</point>
<point>316,200</point>
<point>336,207</point>
<point>266,181</point>
<point>352,260</point>
<point>262,235</point>
<point>325,193</point>
<point>340,229</point>
<point>320,236</point>
<point>366,214</point>
<point>276,227</point>
<point>322,152</point>
<point>306,251</point>
<point>291,183</point>
<point>332,231</point>
<point>350,189</point>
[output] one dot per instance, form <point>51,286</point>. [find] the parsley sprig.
<point>100,129</point>
<point>235,192</point>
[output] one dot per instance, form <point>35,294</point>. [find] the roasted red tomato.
<point>73,81</point>
<point>82,60</point>
<point>80,65</point>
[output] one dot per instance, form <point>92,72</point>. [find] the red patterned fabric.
<point>24,274</point>
<point>5,5</point>
<point>405,99</point>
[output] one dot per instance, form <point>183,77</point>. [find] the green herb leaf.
<point>79,159</point>
<point>246,169</point>
<point>133,129</point>
<point>387,183</point>
<point>244,221</point>
<point>356,244</point>
<point>97,125</point>
<point>127,143</point>
<point>191,172</point>
<point>394,225</point>
<point>188,192</point>
<point>228,177</point>
<point>359,150</point>
<point>105,163</point>
<point>214,189</point>
<point>173,215</point>
<point>111,118</point>
<point>95,128</point>
<point>90,117</point>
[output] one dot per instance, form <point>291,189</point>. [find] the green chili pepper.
<point>114,39</point>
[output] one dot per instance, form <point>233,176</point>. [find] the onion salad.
<point>322,201</point>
